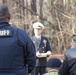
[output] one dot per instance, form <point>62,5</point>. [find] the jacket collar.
<point>3,23</point>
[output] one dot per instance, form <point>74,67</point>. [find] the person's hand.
<point>37,54</point>
<point>48,53</point>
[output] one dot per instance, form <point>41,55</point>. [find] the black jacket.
<point>16,50</point>
<point>69,64</point>
<point>43,47</point>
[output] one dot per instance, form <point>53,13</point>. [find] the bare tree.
<point>58,16</point>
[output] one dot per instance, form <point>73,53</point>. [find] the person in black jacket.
<point>42,49</point>
<point>17,51</point>
<point>69,64</point>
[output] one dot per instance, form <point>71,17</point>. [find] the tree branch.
<point>33,13</point>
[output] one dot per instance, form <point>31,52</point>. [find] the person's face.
<point>38,31</point>
<point>72,44</point>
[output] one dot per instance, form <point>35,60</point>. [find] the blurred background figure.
<point>53,65</point>
<point>69,63</point>
<point>43,49</point>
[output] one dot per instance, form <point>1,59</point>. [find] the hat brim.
<point>37,27</point>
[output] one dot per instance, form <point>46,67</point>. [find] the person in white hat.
<point>43,49</point>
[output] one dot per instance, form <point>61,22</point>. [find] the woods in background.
<point>58,16</point>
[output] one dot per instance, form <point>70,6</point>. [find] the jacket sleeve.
<point>29,50</point>
<point>48,48</point>
<point>64,69</point>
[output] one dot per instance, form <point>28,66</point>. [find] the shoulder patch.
<point>5,33</point>
<point>53,72</point>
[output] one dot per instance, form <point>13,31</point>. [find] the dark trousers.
<point>38,70</point>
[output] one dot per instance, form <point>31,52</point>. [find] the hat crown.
<point>38,25</point>
<point>54,63</point>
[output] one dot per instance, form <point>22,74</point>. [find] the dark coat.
<point>43,47</point>
<point>69,64</point>
<point>16,51</point>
